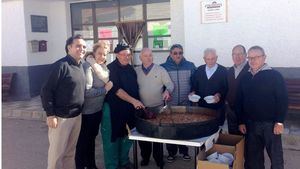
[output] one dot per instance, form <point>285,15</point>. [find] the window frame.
<point>145,37</point>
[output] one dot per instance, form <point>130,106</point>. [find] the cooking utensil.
<point>181,131</point>
<point>166,109</point>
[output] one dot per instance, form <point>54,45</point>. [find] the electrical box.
<point>34,46</point>
<point>42,46</point>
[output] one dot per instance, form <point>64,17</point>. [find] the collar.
<point>73,61</point>
<point>264,67</point>
<point>241,65</point>
<point>212,68</point>
<point>148,69</point>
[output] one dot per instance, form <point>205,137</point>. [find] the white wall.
<point>13,34</point>
<point>177,21</point>
<point>57,30</point>
<point>274,25</point>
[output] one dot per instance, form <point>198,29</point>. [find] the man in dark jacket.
<point>261,106</point>
<point>239,69</point>
<point>62,98</point>
<point>210,80</point>
<point>180,71</point>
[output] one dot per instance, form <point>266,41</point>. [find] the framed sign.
<point>213,11</point>
<point>39,23</point>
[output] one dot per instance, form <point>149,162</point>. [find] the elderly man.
<point>261,106</point>
<point>152,80</point>
<point>235,73</point>
<point>62,98</point>
<point>119,109</point>
<point>211,80</point>
<point>180,71</point>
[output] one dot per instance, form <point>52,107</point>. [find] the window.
<point>96,21</point>
<point>107,11</point>
<point>158,10</point>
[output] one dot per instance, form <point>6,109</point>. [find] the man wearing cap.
<point>119,110</point>
<point>180,71</point>
<point>239,69</point>
<point>152,80</point>
<point>210,79</point>
<point>62,98</point>
<point>261,106</point>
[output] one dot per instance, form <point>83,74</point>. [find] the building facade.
<point>273,25</point>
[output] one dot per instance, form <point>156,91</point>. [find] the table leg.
<point>161,149</point>
<point>135,158</point>
<point>196,152</point>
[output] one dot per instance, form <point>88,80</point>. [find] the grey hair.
<point>257,48</point>
<point>210,50</point>
<point>145,50</point>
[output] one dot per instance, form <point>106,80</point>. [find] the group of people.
<point>82,91</point>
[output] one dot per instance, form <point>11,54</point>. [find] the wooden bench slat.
<point>293,89</point>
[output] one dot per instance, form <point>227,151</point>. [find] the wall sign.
<point>213,11</point>
<point>39,23</point>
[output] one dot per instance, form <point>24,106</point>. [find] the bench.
<point>6,84</point>
<point>293,89</point>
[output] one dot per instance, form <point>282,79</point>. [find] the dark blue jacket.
<point>181,77</point>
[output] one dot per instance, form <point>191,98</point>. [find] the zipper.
<point>178,101</point>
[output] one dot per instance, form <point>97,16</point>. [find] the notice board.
<point>39,23</point>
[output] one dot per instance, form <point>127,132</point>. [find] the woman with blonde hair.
<point>97,85</point>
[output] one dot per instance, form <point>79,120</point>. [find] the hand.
<point>242,128</point>
<point>278,128</point>
<point>91,59</point>
<point>217,97</point>
<point>52,121</point>
<point>137,104</point>
<point>166,95</point>
<point>108,86</point>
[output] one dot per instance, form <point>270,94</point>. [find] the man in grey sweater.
<point>155,86</point>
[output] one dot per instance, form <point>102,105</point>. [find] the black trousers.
<point>146,149</point>
<point>173,148</point>
<point>233,126</point>
<point>221,112</point>
<point>85,149</point>
<point>260,135</point>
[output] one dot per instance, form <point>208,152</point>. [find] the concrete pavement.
<point>25,146</point>
<point>25,142</point>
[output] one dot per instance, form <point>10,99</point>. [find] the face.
<point>124,57</point>
<point>146,58</point>
<point>177,55</point>
<point>256,59</point>
<point>210,59</point>
<point>100,55</point>
<point>77,49</point>
<point>238,56</point>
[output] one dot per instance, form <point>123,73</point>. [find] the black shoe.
<point>127,166</point>
<point>160,163</point>
<point>144,162</point>
<point>170,159</point>
<point>186,157</point>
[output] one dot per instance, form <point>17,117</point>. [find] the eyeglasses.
<point>254,58</point>
<point>177,53</point>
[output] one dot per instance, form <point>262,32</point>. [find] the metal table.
<point>197,143</point>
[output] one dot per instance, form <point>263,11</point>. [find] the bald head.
<point>146,57</point>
